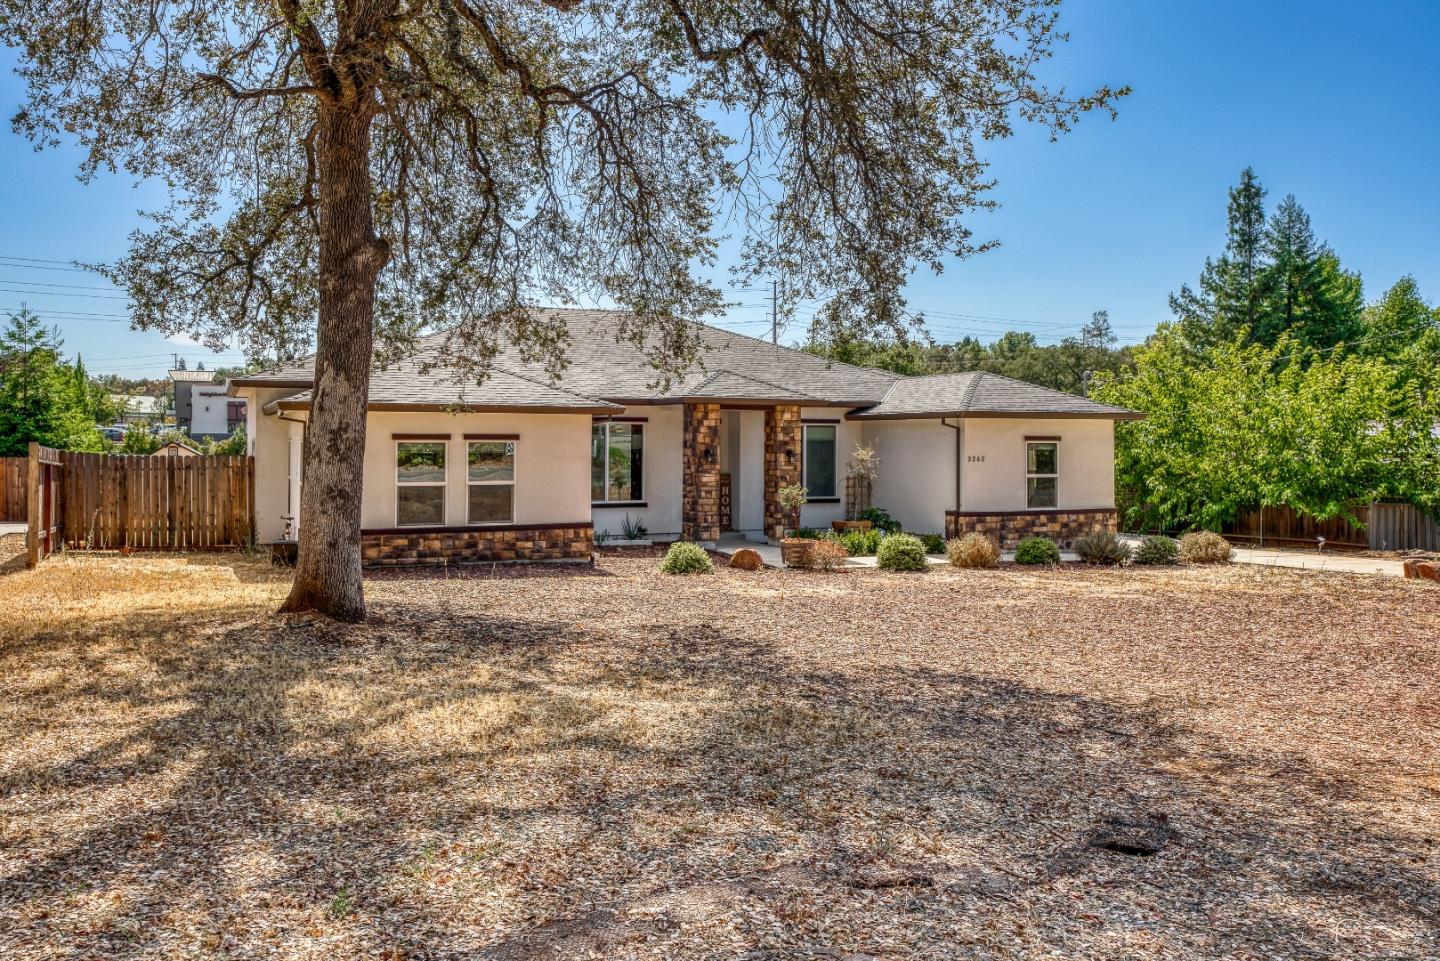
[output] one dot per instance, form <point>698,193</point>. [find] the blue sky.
<point>1334,102</point>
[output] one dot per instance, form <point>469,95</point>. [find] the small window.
<point>617,462</point>
<point>819,461</point>
<point>419,483</point>
<point>490,477</point>
<point>1042,474</point>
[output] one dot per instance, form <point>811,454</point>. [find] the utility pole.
<point>774,315</point>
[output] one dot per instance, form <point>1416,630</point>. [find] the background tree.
<point>1232,288</point>
<point>388,165</point>
<point>1308,294</point>
<point>41,398</point>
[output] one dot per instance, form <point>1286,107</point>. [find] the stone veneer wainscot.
<point>535,542</point>
<point>1061,526</point>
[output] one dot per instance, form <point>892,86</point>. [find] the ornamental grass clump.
<point>1157,549</point>
<point>860,543</point>
<point>683,557</point>
<point>1037,550</point>
<point>1101,547</point>
<point>901,552</point>
<point>973,550</point>
<point>1205,547</point>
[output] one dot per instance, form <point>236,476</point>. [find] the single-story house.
<point>521,467</point>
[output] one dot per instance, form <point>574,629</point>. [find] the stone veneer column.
<point>782,433</point>
<point>700,512</point>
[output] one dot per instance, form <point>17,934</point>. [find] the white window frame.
<point>1029,475</point>
<point>514,445</point>
<point>444,497</point>
<point>805,460</point>
<point>644,487</point>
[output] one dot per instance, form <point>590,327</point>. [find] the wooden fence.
<point>14,475</point>
<point>1383,527</point>
<point>135,502</point>
<point>1401,527</point>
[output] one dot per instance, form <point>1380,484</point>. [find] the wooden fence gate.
<point>135,502</point>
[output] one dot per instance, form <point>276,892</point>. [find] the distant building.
<point>136,408</point>
<point>176,449</point>
<point>202,409</point>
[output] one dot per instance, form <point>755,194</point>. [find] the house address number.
<point>975,458</point>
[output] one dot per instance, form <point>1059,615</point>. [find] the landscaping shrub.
<point>808,533</point>
<point>1037,550</point>
<point>1158,549</point>
<point>1101,547</point>
<point>683,557</point>
<point>973,550</point>
<point>901,552</point>
<point>882,520</point>
<point>860,543</point>
<point>827,555</point>
<point>1205,547</point>
<point>934,543</point>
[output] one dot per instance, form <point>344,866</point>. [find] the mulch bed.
<point>576,762</point>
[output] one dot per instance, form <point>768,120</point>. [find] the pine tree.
<point>1232,289</point>
<point>39,397</point>
<point>1308,293</point>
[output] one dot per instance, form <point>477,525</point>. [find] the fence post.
<point>32,484</point>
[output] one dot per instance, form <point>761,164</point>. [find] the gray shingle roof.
<point>980,394</point>
<point>604,372</point>
<point>404,385</point>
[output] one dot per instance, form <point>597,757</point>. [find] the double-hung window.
<point>617,462</point>
<point>419,483</point>
<point>490,479</point>
<point>1042,473</point>
<point>819,461</point>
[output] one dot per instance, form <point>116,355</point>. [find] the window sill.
<point>822,500</point>
<point>595,504</point>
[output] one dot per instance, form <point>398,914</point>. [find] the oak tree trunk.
<point>327,573</point>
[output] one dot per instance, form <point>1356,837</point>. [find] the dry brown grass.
<point>567,763</point>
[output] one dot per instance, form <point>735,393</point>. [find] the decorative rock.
<point>746,559</point>
<point>1428,570</point>
<point>1412,567</point>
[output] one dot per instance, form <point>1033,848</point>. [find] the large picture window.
<point>1042,473</point>
<point>819,464</point>
<point>490,479</point>
<point>617,462</point>
<point>419,483</point>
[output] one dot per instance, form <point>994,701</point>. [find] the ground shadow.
<point>450,781</point>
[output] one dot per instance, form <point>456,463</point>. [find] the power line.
<point>39,283</point>
<point>55,293</point>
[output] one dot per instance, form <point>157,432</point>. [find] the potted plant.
<point>861,471</point>
<point>794,550</point>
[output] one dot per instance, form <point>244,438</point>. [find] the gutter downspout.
<point>959,455</point>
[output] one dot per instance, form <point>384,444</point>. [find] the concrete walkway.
<point>1315,561</point>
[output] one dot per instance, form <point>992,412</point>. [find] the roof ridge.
<point>969,393</point>
<point>757,380</point>
<point>794,350</point>
<point>540,383</point>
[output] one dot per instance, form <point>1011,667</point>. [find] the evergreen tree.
<point>39,396</point>
<point>1231,289</point>
<point>1308,294</point>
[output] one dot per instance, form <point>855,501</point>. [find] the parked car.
<point>114,435</point>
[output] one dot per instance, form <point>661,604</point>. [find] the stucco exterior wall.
<point>552,464</point>
<point>268,440</point>
<point>662,480</point>
<point>997,483</point>
<point>916,483</point>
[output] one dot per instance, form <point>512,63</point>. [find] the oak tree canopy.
<point>348,174</point>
